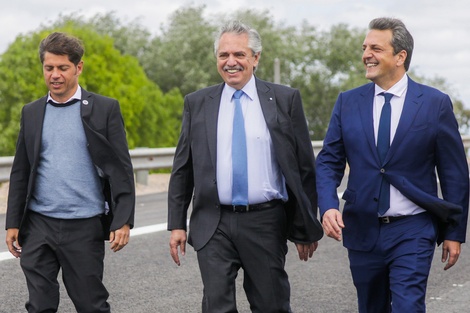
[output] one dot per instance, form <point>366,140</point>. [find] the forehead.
<point>378,37</point>
<point>230,42</point>
<point>56,59</point>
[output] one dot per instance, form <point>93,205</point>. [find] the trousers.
<point>76,247</point>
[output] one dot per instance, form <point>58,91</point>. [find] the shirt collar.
<point>77,95</point>
<point>249,89</point>
<point>398,90</point>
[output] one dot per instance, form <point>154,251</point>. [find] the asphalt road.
<point>142,278</point>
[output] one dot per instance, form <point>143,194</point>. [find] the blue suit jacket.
<point>427,138</point>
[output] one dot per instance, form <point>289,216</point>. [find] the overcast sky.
<point>441,29</point>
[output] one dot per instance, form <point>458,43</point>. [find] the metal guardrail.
<point>5,168</point>
<point>145,159</point>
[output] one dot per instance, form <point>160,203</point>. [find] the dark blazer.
<point>194,170</point>
<point>104,130</point>
<point>427,138</point>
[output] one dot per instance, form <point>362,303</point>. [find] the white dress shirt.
<point>265,179</point>
<point>399,204</point>
<point>77,95</point>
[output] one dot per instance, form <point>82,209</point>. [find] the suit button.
<point>375,199</point>
<point>382,170</point>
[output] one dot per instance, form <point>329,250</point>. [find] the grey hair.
<point>401,37</point>
<point>237,27</point>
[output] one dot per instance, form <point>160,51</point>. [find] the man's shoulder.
<point>35,105</point>
<point>425,89</point>
<point>359,90</point>
<point>37,101</point>
<point>277,87</point>
<point>201,96</point>
<point>97,98</point>
<point>205,91</point>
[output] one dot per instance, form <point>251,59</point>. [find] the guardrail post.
<point>141,177</point>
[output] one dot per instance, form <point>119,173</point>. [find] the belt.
<point>391,219</point>
<point>252,207</point>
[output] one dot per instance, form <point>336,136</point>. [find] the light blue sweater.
<point>67,184</point>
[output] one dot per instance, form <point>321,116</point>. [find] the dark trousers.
<point>255,241</point>
<point>77,247</point>
<point>393,276</point>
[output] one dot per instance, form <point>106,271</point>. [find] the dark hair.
<point>401,37</point>
<point>62,44</point>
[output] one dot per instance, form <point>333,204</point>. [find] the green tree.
<point>165,111</point>
<point>320,64</point>
<point>149,74</point>
<point>182,56</point>
<point>130,39</point>
<point>106,71</point>
<point>20,83</point>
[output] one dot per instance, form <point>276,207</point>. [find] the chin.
<point>370,75</point>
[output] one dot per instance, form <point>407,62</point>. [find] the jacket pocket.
<point>349,196</point>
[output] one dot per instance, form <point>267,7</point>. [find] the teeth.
<point>371,64</point>
<point>232,71</point>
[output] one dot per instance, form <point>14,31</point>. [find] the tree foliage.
<point>148,73</point>
<point>106,71</point>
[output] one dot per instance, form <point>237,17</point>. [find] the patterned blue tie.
<point>383,144</point>
<point>239,155</point>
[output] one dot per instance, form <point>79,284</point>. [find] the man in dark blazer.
<point>71,185</point>
<point>390,250</point>
<point>281,198</point>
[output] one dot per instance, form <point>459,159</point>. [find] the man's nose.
<point>232,60</point>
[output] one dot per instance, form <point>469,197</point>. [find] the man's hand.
<point>306,250</point>
<point>119,238</point>
<point>177,239</point>
<point>333,223</point>
<point>450,252</point>
<point>12,242</point>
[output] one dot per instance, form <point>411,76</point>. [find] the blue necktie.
<point>239,155</point>
<point>383,144</point>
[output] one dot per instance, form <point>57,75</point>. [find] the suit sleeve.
<point>19,179</point>
<point>452,168</point>
<point>124,206</point>
<point>331,162</point>
<point>305,226</point>
<point>181,184</point>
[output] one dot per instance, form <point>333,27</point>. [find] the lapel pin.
<point>270,99</point>
<point>85,102</point>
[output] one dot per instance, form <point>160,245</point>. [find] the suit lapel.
<point>410,109</point>
<point>366,108</point>
<point>211,114</point>
<point>86,106</point>
<point>40,111</point>
<point>267,101</point>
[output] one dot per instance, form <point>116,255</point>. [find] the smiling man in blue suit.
<point>395,135</point>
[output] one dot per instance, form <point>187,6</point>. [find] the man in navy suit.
<point>392,217</point>
<point>230,231</point>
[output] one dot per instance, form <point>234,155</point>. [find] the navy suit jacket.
<point>104,131</point>
<point>194,169</point>
<point>427,139</point>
